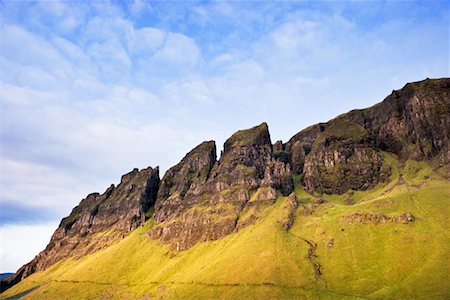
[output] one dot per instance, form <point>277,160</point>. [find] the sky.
<point>90,90</point>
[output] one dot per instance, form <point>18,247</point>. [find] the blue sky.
<point>90,91</point>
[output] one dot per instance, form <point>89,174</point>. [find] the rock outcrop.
<point>185,181</point>
<point>98,220</point>
<point>245,156</point>
<point>345,153</point>
<point>378,218</point>
<point>231,194</point>
<point>301,144</point>
<point>290,208</point>
<point>413,122</point>
<point>342,159</point>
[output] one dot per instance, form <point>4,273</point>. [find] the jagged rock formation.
<point>291,207</point>
<point>185,180</point>
<point>241,184</point>
<point>98,220</point>
<point>377,218</point>
<point>202,198</point>
<point>345,153</point>
<point>413,122</point>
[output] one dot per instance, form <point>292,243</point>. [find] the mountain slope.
<point>355,207</point>
<point>368,256</point>
<point>97,222</point>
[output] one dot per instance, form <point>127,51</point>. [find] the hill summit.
<point>354,207</point>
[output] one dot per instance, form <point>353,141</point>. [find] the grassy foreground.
<point>323,255</point>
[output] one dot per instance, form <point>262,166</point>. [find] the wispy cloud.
<point>15,250</point>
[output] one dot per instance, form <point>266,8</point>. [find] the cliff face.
<point>185,180</point>
<point>345,153</point>
<point>98,220</point>
<point>342,159</point>
<point>413,122</point>
<point>202,198</point>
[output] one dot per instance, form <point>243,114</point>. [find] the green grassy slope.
<point>365,260</point>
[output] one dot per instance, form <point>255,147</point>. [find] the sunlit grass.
<point>265,261</point>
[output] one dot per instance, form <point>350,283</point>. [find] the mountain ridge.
<point>204,199</point>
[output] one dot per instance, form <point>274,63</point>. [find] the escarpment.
<point>210,207</point>
<point>203,198</point>
<point>346,152</point>
<point>185,181</point>
<point>97,221</point>
<point>414,122</point>
<point>342,159</point>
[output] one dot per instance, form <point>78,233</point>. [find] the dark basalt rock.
<point>301,144</point>
<point>233,189</point>
<point>344,153</point>
<point>342,159</point>
<point>243,161</point>
<point>185,180</point>
<point>278,146</point>
<point>414,122</point>
<point>117,211</point>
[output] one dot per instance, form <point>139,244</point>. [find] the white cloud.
<point>112,60</point>
<point>26,74</point>
<point>19,244</point>
<point>138,7</point>
<point>38,185</point>
<point>247,71</point>
<point>24,97</point>
<point>140,97</point>
<point>196,90</point>
<point>38,52</point>
<point>104,28</point>
<point>179,50</point>
<point>147,40</point>
<point>297,35</point>
<point>222,60</point>
<point>71,51</point>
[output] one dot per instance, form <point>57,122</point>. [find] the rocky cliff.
<point>97,221</point>
<point>202,198</point>
<point>345,153</point>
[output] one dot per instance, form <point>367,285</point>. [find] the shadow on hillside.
<point>20,295</point>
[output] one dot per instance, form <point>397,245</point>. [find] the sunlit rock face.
<point>210,206</point>
<point>99,220</point>
<point>345,153</point>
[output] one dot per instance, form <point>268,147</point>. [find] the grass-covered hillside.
<point>392,241</point>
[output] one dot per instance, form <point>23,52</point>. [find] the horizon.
<point>99,89</point>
